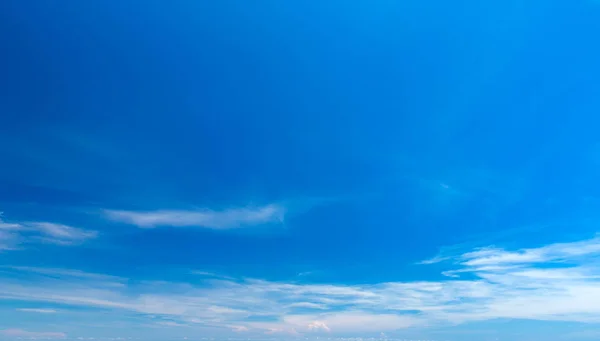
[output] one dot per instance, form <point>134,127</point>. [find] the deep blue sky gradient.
<point>389,131</point>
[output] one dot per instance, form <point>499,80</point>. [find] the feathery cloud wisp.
<point>13,235</point>
<point>219,220</point>
<point>37,310</point>
<point>63,234</point>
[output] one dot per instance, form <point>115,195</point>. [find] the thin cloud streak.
<point>218,220</point>
<point>63,234</point>
<point>20,333</point>
<point>65,273</point>
<point>15,235</point>
<point>37,310</point>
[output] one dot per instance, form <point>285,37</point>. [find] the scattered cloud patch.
<point>355,322</point>
<point>318,325</point>
<point>218,220</point>
<point>556,282</point>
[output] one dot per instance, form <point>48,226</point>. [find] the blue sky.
<point>412,170</point>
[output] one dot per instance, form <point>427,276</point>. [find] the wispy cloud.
<point>37,310</point>
<point>556,282</point>
<point>9,226</point>
<point>305,273</point>
<point>309,305</point>
<point>434,260</point>
<point>317,325</point>
<point>549,253</point>
<point>20,333</point>
<point>63,234</point>
<point>9,240</point>
<point>14,234</point>
<point>65,273</point>
<point>9,234</point>
<point>226,219</point>
<point>210,274</point>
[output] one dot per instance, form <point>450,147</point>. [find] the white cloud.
<point>67,274</point>
<point>550,253</point>
<point>37,310</point>
<point>556,282</point>
<point>318,325</point>
<point>20,333</point>
<point>354,322</point>
<point>9,226</point>
<point>434,260</point>
<point>210,274</point>
<point>62,234</point>
<point>14,235</point>
<point>498,256</point>
<point>226,219</point>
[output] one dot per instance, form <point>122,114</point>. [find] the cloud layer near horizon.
<point>556,282</point>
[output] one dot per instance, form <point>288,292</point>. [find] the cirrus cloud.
<point>13,235</point>
<point>560,283</point>
<point>218,220</point>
